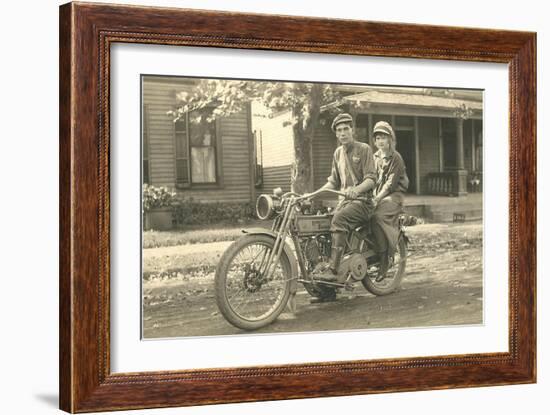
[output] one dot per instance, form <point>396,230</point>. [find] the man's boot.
<point>330,273</point>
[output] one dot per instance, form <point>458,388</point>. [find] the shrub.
<point>189,212</point>
<point>156,197</point>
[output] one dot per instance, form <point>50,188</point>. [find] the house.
<point>233,159</point>
<point>442,150</point>
<point>206,160</point>
<point>274,144</point>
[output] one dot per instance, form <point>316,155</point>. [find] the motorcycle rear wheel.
<point>394,274</point>
<point>243,297</point>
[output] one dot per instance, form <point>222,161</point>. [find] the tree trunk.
<point>302,167</point>
<point>302,171</point>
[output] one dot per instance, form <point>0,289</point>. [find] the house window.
<point>145,144</point>
<point>196,149</point>
<point>381,117</point>
<point>404,123</point>
<point>449,131</point>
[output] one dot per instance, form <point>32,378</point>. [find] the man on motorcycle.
<point>353,172</point>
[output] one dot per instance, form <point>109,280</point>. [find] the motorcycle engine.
<point>354,265</point>
<point>316,250</point>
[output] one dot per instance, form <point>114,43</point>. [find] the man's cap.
<point>383,127</point>
<point>341,118</point>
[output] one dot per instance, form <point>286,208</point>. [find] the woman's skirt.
<point>386,215</point>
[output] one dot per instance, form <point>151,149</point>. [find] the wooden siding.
<point>276,177</point>
<point>277,147</point>
<point>429,149</point>
<point>160,98</point>
<point>159,94</point>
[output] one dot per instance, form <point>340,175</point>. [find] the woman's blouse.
<point>391,173</point>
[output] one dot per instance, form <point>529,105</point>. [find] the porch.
<point>445,208</point>
<point>439,209</point>
<point>439,134</point>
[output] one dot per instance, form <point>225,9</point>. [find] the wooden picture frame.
<point>86,33</point>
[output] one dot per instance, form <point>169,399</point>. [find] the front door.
<point>405,147</point>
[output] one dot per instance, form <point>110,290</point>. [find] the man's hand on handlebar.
<point>351,193</point>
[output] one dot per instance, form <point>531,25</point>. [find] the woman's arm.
<point>396,170</point>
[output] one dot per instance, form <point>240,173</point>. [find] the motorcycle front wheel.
<point>394,274</point>
<point>245,297</point>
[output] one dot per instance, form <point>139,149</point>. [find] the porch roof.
<point>416,101</point>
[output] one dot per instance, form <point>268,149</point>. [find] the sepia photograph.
<point>276,206</point>
<point>265,206</point>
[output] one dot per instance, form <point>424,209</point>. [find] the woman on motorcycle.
<point>389,193</point>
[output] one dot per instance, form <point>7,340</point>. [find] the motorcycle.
<point>259,273</point>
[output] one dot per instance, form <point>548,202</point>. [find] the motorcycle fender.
<point>287,250</point>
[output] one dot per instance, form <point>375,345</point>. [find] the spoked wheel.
<point>394,274</point>
<point>247,297</point>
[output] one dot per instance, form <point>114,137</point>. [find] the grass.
<point>199,234</point>
<point>428,240</point>
<point>230,232</point>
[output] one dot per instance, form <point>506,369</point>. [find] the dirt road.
<point>443,286</point>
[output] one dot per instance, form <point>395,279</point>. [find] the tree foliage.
<point>231,96</point>
<point>305,101</point>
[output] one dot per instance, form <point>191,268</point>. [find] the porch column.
<point>462,189</point>
<point>460,144</point>
<point>416,156</point>
<point>440,137</point>
<point>473,133</point>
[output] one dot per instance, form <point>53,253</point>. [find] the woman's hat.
<point>384,128</point>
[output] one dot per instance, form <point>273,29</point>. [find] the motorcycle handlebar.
<point>337,192</point>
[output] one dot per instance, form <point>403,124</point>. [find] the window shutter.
<point>145,145</point>
<point>182,152</point>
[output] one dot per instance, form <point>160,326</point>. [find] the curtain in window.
<point>202,132</point>
<point>203,162</point>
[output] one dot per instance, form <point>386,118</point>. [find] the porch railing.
<point>443,183</point>
<point>449,183</point>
